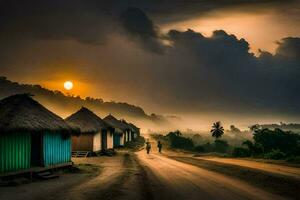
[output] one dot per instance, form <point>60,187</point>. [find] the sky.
<point>236,59</point>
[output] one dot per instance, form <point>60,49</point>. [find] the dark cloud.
<point>55,20</point>
<point>92,21</point>
<point>289,48</point>
<point>223,74</point>
<point>137,23</point>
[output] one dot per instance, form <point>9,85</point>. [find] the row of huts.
<point>31,136</point>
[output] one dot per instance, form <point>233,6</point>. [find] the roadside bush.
<point>275,154</point>
<point>294,159</point>
<point>177,141</point>
<point>221,146</point>
<point>208,147</point>
<point>241,152</point>
<point>285,141</point>
<point>199,149</point>
<point>255,149</point>
<point>197,139</point>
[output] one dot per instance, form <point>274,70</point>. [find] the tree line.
<point>265,143</point>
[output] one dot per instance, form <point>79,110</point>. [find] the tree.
<point>254,148</point>
<point>249,144</point>
<point>217,130</point>
<point>255,127</point>
<point>221,146</point>
<point>234,129</point>
<point>277,139</point>
<point>197,139</point>
<point>178,141</point>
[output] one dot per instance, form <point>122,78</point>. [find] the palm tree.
<point>217,130</point>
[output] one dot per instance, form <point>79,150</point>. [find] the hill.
<point>64,105</point>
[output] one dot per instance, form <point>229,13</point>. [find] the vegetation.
<point>256,142</point>
<point>178,141</point>
<point>217,130</point>
<point>136,144</point>
<point>285,141</point>
<point>271,144</point>
<point>275,154</point>
<point>234,129</point>
<point>283,126</point>
<point>221,146</point>
<point>241,152</point>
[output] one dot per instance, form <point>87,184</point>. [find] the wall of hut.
<point>56,149</point>
<point>83,142</point>
<point>127,136</point>
<point>97,142</point>
<point>118,140</point>
<point>110,140</point>
<point>14,152</point>
<point>122,140</point>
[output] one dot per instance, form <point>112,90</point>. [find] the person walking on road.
<point>159,146</point>
<point>148,147</point>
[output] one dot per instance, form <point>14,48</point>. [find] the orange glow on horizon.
<point>81,88</point>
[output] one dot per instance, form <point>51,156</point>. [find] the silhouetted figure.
<point>159,146</point>
<point>148,147</point>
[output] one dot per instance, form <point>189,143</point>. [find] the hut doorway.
<point>117,140</point>
<point>104,139</point>
<point>36,150</point>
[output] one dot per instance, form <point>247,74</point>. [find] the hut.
<point>95,134</point>
<point>136,131</point>
<point>31,135</point>
<point>122,131</point>
<point>130,131</point>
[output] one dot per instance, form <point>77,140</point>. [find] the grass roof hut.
<point>31,135</point>
<point>95,135</point>
<point>136,130</point>
<point>130,131</point>
<point>121,130</point>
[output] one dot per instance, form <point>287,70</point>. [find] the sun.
<point>68,85</point>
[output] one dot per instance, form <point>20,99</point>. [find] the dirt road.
<point>176,180</point>
<point>119,177</point>
<point>273,168</point>
<point>138,176</point>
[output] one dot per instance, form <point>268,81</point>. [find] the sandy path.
<point>41,189</point>
<point>273,168</point>
<point>120,178</point>
<point>176,180</point>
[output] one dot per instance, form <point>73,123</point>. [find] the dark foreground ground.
<point>171,175</point>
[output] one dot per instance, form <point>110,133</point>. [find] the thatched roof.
<point>136,129</point>
<point>87,121</point>
<point>21,113</point>
<point>127,125</point>
<point>116,123</point>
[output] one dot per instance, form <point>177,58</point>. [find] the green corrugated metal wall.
<point>14,152</point>
<point>56,149</point>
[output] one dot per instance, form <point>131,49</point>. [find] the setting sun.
<point>68,85</point>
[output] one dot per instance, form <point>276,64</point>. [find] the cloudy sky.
<point>236,57</point>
